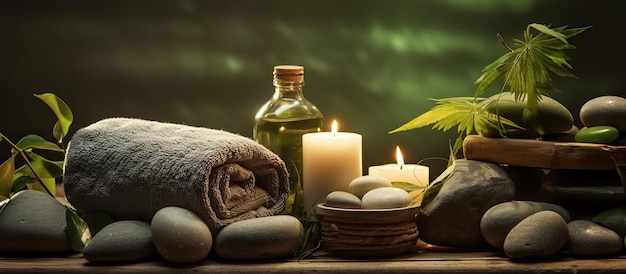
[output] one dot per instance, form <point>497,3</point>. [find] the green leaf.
<point>7,170</point>
<point>548,31</point>
<point>525,71</point>
<point>433,189</point>
<point>492,73</point>
<point>468,114</point>
<point>49,184</point>
<point>446,114</point>
<point>45,168</point>
<point>76,230</point>
<point>615,219</point>
<point>21,182</point>
<point>36,142</point>
<point>408,187</point>
<point>63,113</point>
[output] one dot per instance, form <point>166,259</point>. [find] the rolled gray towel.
<point>131,168</point>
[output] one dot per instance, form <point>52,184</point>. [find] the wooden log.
<point>543,154</point>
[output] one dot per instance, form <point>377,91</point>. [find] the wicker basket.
<point>368,232</point>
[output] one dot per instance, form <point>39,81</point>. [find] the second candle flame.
<point>334,127</point>
<point>399,157</point>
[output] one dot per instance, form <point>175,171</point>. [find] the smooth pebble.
<point>180,236</point>
<point>604,111</point>
<point>361,185</point>
<point>33,222</point>
<point>541,234</point>
<point>501,218</point>
<point>268,237</point>
<point>385,197</point>
<point>121,241</point>
<point>342,199</point>
<point>587,238</point>
<point>452,217</point>
<point>552,117</point>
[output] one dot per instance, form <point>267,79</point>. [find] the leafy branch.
<point>468,114</point>
<point>525,72</point>
<point>526,69</point>
<point>39,172</point>
<point>7,170</point>
<point>36,168</point>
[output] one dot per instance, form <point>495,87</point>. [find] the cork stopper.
<point>289,73</point>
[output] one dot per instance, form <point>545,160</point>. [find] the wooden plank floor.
<point>419,262</point>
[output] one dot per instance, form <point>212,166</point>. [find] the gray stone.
<point>33,222</point>
<point>180,236</point>
<point>342,199</point>
<point>501,218</point>
<point>604,111</point>
<point>541,234</point>
<point>121,241</point>
<point>385,197</point>
<point>260,238</point>
<point>587,238</point>
<point>361,185</point>
<point>452,218</point>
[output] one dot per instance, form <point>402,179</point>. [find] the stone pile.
<point>534,210</point>
<point>32,222</point>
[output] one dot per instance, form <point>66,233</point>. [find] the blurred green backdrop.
<point>369,64</point>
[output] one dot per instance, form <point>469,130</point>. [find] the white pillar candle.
<point>330,161</point>
<point>401,172</point>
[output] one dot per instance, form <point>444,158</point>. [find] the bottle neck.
<point>288,88</point>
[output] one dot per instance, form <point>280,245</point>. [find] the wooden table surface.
<point>420,262</point>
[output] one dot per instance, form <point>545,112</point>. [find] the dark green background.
<point>370,64</point>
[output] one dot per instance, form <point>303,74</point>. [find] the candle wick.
<point>401,166</point>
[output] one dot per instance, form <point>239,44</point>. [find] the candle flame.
<point>334,127</point>
<point>399,158</point>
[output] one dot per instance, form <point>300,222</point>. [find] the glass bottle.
<point>280,124</point>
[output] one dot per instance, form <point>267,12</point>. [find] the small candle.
<point>330,161</point>
<point>400,172</point>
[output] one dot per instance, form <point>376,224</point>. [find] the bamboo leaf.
<point>548,31</point>
<point>492,73</point>
<point>467,114</point>
<point>525,71</point>
<point>7,169</point>
<point>62,112</point>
